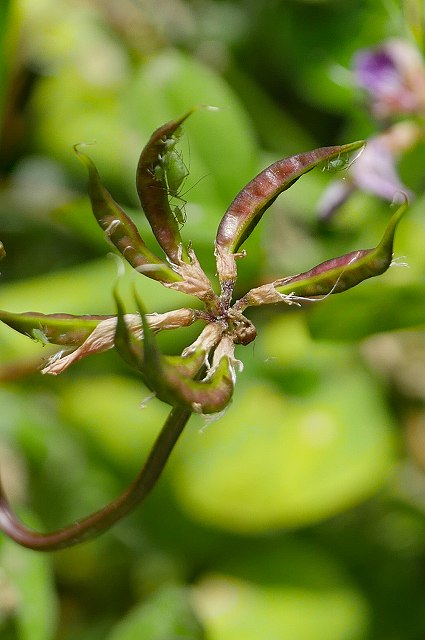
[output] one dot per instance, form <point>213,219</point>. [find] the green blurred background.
<point>300,514</point>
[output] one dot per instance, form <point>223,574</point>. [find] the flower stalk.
<point>101,520</point>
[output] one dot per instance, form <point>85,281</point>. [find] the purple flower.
<point>374,169</point>
<point>375,71</point>
<point>394,77</point>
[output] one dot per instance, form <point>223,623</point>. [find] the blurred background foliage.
<point>300,514</point>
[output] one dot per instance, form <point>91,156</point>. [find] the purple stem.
<point>101,520</point>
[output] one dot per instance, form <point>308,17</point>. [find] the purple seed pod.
<point>152,187</point>
<point>255,198</point>
<point>332,276</point>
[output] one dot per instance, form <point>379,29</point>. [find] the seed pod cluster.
<point>202,378</point>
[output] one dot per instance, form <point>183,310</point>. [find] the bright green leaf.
<point>167,615</point>
<point>30,575</point>
<point>364,311</point>
<point>275,462</point>
<point>292,591</point>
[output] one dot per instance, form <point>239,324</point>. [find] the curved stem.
<point>103,519</point>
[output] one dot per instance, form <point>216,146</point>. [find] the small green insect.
<point>39,336</point>
<point>180,214</point>
<point>171,171</point>
<point>170,143</point>
<point>337,164</point>
<point>175,170</point>
<point>341,162</point>
<point>158,172</point>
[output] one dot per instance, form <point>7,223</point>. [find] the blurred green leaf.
<point>314,69</point>
<point>368,309</point>
<point>275,462</point>
<point>77,216</point>
<point>222,145</point>
<point>107,411</point>
<point>167,615</point>
<point>6,56</point>
<point>30,575</point>
<point>271,120</point>
<point>291,591</point>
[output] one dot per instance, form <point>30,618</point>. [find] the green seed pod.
<point>255,198</point>
<point>128,346</point>
<point>56,328</point>
<point>186,366</point>
<point>173,379</point>
<point>121,230</point>
<point>206,396</point>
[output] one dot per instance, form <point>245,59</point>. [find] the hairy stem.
<point>101,520</point>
